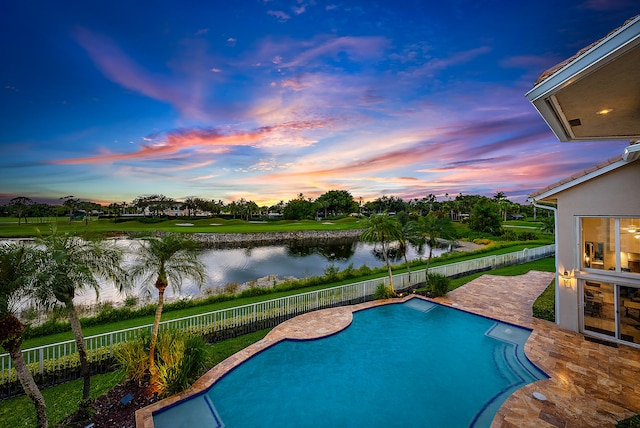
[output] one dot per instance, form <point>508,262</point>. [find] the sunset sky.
<point>263,100</point>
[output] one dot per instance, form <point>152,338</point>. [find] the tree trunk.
<point>386,260</point>
<point>82,349</point>
<point>426,271</point>
<point>29,386</point>
<point>156,325</point>
<point>406,262</point>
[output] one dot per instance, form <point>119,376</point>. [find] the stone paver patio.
<point>591,385</point>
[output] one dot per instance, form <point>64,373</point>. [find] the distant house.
<point>595,95</point>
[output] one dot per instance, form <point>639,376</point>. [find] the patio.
<point>591,384</point>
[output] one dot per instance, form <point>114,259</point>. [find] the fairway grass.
<point>9,227</point>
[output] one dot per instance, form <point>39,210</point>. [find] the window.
<point>611,243</point>
<point>630,245</point>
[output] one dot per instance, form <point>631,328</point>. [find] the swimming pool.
<point>410,364</point>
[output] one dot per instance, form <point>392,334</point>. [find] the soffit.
<point>605,76</point>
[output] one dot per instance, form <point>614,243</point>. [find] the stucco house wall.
<point>616,193</point>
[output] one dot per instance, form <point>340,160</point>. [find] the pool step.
<point>419,305</point>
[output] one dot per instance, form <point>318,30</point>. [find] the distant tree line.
<point>332,204</point>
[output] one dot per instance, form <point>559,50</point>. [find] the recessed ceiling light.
<point>605,111</point>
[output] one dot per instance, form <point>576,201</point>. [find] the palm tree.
<point>409,234</point>
<point>163,262</point>
<point>17,265</point>
<point>431,228</point>
<point>74,264</point>
<point>383,229</point>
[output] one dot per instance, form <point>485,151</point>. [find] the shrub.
<point>331,272</point>
<point>509,235</point>
<point>544,306</point>
<point>383,292</point>
<point>632,422</point>
<point>130,302</point>
<point>439,284</point>
<point>231,288</point>
<point>527,236</point>
<point>133,357</point>
<point>179,358</point>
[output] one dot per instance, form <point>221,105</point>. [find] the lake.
<point>240,265</point>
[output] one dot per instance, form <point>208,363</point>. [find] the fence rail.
<point>59,362</point>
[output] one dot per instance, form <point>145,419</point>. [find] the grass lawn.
<point>9,227</point>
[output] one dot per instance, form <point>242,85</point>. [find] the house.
<point>595,95</point>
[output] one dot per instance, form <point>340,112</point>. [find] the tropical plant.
<point>439,284</point>
<point>485,217</point>
<point>73,264</point>
<point>382,229</point>
<point>431,228</point>
<point>166,261</point>
<point>17,265</point>
<point>408,234</point>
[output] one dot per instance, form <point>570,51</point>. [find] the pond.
<point>241,265</point>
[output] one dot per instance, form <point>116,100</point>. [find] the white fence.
<point>58,362</point>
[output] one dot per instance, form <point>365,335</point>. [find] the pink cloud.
<point>120,68</point>
<point>211,141</point>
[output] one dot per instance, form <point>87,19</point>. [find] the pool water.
<point>398,365</point>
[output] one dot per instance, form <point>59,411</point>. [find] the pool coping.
<point>589,396</point>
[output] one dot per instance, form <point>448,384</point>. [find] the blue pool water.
<point>413,364</point>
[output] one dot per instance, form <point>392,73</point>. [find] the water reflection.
<point>299,260</point>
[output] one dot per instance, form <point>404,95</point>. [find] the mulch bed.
<point>110,411</point>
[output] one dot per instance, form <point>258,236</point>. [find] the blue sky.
<point>263,100</point>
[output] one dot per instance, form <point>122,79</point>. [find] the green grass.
<point>62,400</point>
<point>9,227</point>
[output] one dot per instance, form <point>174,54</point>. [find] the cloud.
<point>181,142</point>
<point>280,15</point>
<point>357,48</point>
<point>120,68</point>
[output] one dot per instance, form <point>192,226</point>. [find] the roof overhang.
<point>595,95</point>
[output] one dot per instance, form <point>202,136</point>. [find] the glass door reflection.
<point>599,309</point>
<point>629,304</point>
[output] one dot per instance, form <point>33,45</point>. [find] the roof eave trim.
<point>569,184</point>
<point>611,46</point>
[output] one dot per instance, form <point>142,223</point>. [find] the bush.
<point>331,272</point>
<point>527,236</point>
<point>179,359</point>
<point>383,292</point>
<point>632,422</point>
<point>509,235</point>
<point>438,284</point>
<point>544,306</point>
<point>133,357</point>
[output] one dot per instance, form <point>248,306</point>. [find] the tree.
<point>17,265</point>
<point>408,234</point>
<point>336,202</point>
<point>485,217</point>
<point>19,204</point>
<point>380,228</point>
<point>70,203</point>
<point>299,209</point>
<point>432,228</point>
<point>73,264</point>
<point>163,262</point>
